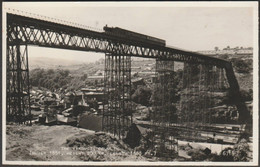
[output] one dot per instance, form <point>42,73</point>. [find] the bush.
<point>225,56</point>
<point>142,95</point>
<point>197,155</point>
<point>241,151</point>
<point>50,79</point>
<point>54,79</point>
<point>246,95</point>
<point>242,66</point>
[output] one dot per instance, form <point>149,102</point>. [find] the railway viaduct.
<point>117,116</point>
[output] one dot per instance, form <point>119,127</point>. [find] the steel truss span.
<point>48,34</point>
<point>23,30</point>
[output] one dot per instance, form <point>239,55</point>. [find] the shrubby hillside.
<point>55,78</point>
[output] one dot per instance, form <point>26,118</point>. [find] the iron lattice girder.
<point>55,35</point>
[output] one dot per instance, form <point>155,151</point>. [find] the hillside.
<point>245,81</point>
<point>47,63</point>
<point>64,143</point>
<point>78,68</point>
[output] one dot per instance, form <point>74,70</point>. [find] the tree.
<point>247,95</point>
<point>84,77</point>
<point>50,71</point>
<point>142,95</point>
<point>50,79</point>
<point>216,48</point>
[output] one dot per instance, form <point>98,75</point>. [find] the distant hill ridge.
<point>228,51</point>
<point>46,62</point>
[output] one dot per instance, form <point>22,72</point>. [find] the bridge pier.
<point>201,85</point>
<point>17,84</point>
<point>185,116</point>
<point>117,109</point>
<point>163,109</point>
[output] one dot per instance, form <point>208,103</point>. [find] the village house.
<point>92,94</point>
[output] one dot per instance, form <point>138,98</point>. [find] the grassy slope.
<point>53,143</point>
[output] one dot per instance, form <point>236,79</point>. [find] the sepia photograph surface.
<point>136,83</point>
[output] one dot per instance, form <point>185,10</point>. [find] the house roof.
<point>96,77</point>
<point>136,80</point>
<point>94,93</point>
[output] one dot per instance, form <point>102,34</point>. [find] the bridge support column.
<point>117,110</point>
<point>203,86</point>
<point>199,82</point>
<point>164,109</point>
<point>17,83</point>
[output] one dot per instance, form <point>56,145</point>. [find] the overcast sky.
<point>190,28</point>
